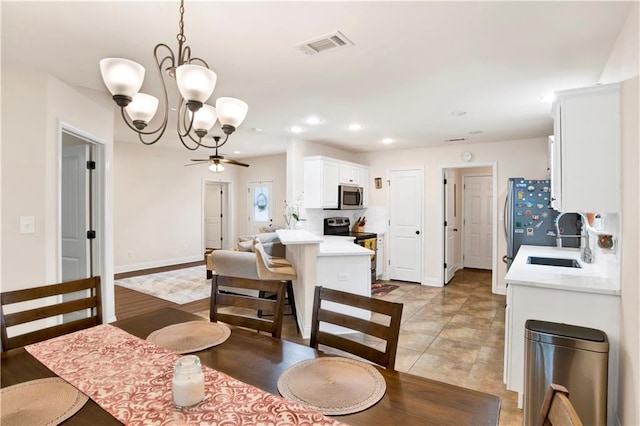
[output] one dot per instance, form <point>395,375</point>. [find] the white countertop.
<point>298,236</point>
<point>589,278</point>
<point>341,246</point>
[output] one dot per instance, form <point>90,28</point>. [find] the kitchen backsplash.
<point>608,259</point>
<point>377,218</point>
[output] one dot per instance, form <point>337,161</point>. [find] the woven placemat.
<point>192,336</point>
<point>47,401</point>
<point>333,385</point>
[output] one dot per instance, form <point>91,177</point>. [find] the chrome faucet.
<point>586,254</point>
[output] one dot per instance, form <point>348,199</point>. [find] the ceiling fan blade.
<point>234,162</point>
<point>201,160</point>
<point>195,164</point>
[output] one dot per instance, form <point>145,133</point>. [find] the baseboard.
<point>144,268</point>
<point>432,281</point>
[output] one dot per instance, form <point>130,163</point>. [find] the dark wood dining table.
<point>260,359</point>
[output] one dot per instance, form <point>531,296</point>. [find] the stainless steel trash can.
<point>575,357</point>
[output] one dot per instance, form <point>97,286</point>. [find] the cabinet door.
<point>320,183</point>
<point>587,134</point>
<point>348,174</point>
<point>329,185</point>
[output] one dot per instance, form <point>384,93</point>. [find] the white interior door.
<point>213,215</point>
<point>260,201</point>
<point>405,225</point>
<point>74,211</point>
<point>450,224</point>
<point>478,222</point>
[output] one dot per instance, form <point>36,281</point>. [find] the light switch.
<point>27,224</point>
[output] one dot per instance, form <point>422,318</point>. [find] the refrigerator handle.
<point>505,216</point>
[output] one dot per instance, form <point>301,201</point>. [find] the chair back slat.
<point>250,304</point>
<point>81,301</point>
<point>557,409</point>
<point>50,311</point>
<point>389,333</point>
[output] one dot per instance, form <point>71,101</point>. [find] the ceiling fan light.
<point>142,108</point>
<point>195,82</point>
<point>216,167</point>
<point>205,118</point>
<point>231,111</point>
<point>121,76</point>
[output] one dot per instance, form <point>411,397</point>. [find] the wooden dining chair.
<point>241,294</point>
<point>87,297</point>
<point>557,409</point>
<point>389,333</point>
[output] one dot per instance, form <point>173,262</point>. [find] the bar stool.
<point>277,269</point>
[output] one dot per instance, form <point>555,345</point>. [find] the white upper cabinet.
<point>585,150</point>
<point>349,174</point>
<point>323,175</point>
<point>320,183</point>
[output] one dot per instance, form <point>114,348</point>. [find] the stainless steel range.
<point>341,226</point>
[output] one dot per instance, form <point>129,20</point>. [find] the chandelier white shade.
<point>195,82</point>
<point>122,76</point>
<point>204,119</point>
<point>231,111</point>
<point>142,108</point>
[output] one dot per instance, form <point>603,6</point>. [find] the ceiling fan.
<point>215,161</point>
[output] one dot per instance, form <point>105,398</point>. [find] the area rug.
<point>179,286</point>
<point>381,289</point>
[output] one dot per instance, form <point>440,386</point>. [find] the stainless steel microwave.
<point>350,197</point>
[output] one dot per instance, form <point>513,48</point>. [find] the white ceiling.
<point>412,65</point>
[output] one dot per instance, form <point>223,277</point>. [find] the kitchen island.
<point>333,262</point>
<point>584,296</point>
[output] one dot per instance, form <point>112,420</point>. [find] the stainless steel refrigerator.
<point>530,220</point>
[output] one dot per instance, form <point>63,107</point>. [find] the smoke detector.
<point>324,43</point>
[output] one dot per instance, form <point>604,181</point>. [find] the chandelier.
<point>195,81</point>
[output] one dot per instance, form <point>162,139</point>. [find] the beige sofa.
<point>243,262</point>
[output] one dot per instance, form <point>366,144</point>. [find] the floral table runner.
<point>131,379</point>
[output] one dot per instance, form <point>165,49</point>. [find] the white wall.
<point>158,204</point>
<point>526,158</point>
<point>623,67</point>
<point>30,174</point>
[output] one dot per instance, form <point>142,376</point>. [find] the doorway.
<point>260,198</point>
<point>478,222</point>
<point>469,196</point>
<point>82,213</point>
<point>215,214</point>
<point>78,205</point>
<point>405,224</point>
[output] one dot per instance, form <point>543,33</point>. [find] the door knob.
<point>417,232</point>
<point>455,229</point>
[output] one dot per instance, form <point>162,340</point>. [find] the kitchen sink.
<point>553,261</point>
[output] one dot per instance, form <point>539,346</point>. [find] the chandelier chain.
<point>181,38</point>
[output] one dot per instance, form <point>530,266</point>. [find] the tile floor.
<point>453,334</point>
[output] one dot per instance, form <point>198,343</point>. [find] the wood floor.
<point>130,303</point>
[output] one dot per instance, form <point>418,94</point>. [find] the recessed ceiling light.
<point>296,129</point>
<point>354,127</point>
<point>459,113</point>
<point>313,120</point>
<point>387,141</point>
<point>236,152</point>
<point>475,132</point>
<point>257,129</point>
<point>549,97</point>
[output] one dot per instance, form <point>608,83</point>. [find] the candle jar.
<point>187,386</point>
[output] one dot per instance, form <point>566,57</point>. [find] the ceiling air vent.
<point>324,43</point>
<point>455,140</point>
